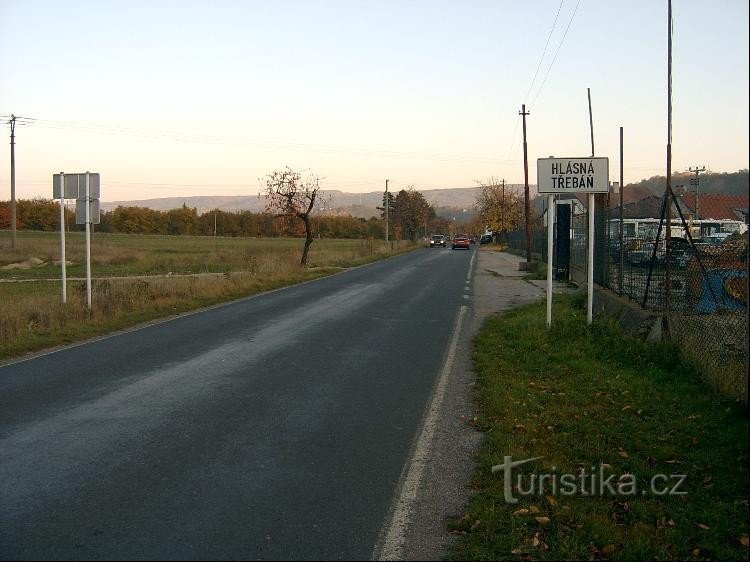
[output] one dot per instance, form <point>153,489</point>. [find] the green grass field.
<point>132,254</point>
<point>582,397</point>
<point>139,278</point>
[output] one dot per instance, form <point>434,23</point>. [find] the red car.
<point>460,241</point>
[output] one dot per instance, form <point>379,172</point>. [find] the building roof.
<point>716,206</point>
<point>646,208</point>
<point>711,206</point>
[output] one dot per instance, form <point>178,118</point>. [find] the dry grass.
<point>140,278</point>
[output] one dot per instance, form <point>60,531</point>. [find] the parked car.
<point>643,251</point>
<point>680,251</point>
<point>472,239</point>
<point>461,241</point>
<point>485,239</point>
<point>715,239</point>
<point>641,256</point>
<point>437,240</point>
<point>614,249</point>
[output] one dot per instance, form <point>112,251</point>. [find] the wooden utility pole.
<point>668,190</point>
<point>526,202</point>
<point>591,122</point>
<point>622,235</point>
<point>13,180</point>
<point>696,181</point>
<point>386,210</point>
<point>504,213</point>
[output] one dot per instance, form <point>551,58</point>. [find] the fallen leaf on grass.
<point>552,501</point>
<point>522,511</point>
<point>534,509</point>
<point>542,520</point>
<point>622,454</point>
<point>538,542</point>
<point>745,540</point>
<point>702,526</point>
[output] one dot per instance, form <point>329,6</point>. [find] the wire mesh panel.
<point>707,281</point>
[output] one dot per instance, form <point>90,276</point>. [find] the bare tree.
<point>290,196</point>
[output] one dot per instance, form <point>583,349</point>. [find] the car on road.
<point>437,240</point>
<point>485,239</point>
<point>461,241</point>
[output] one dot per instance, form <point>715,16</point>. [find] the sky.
<point>183,98</point>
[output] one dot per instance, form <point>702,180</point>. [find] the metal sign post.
<point>572,175</point>
<point>62,241</point>
<point>88,241</point>
<point>550,236</point>
<point>84,188</point>
<point>590,262</point>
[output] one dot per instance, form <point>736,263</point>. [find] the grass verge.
<point>142,278</point>
<point>582,397</point>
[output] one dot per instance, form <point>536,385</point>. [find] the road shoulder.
<point>497,285</point>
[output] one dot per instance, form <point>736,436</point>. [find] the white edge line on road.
<point>471,266</point>
<point>392,537</point>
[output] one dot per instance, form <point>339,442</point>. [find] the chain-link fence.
<point>702,288</point>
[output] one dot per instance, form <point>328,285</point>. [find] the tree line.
<point>44,214</point>
<point>407,221</point>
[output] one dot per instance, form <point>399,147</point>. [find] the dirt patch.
<point>28,264</point>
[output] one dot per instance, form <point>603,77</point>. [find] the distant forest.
<point>734,183</point>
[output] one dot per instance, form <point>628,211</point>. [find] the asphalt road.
<point>276,427</point>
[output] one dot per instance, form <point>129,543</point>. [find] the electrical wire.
<point>544,52</point>
<point>541,87</point>
<point>258,144</point>
<point>533,80</point>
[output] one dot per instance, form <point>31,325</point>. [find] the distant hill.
<point>455,202</point>
<point>447,201</point>
<point>732,183</point>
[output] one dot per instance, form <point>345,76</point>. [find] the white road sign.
<point>94,211</point>
<point>573,175</point>
<point>75,186</point>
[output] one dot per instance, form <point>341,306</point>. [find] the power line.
<point>259,144</point>
<point>533,80</point>
<point>539,91</point>
<point>544,52</point>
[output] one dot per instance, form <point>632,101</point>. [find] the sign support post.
<point>62,239</point>
<point>88,243</point>
<point>590,264</point>
<point>550,236</point>
<point>85,189</point>
<point>572,175</point>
